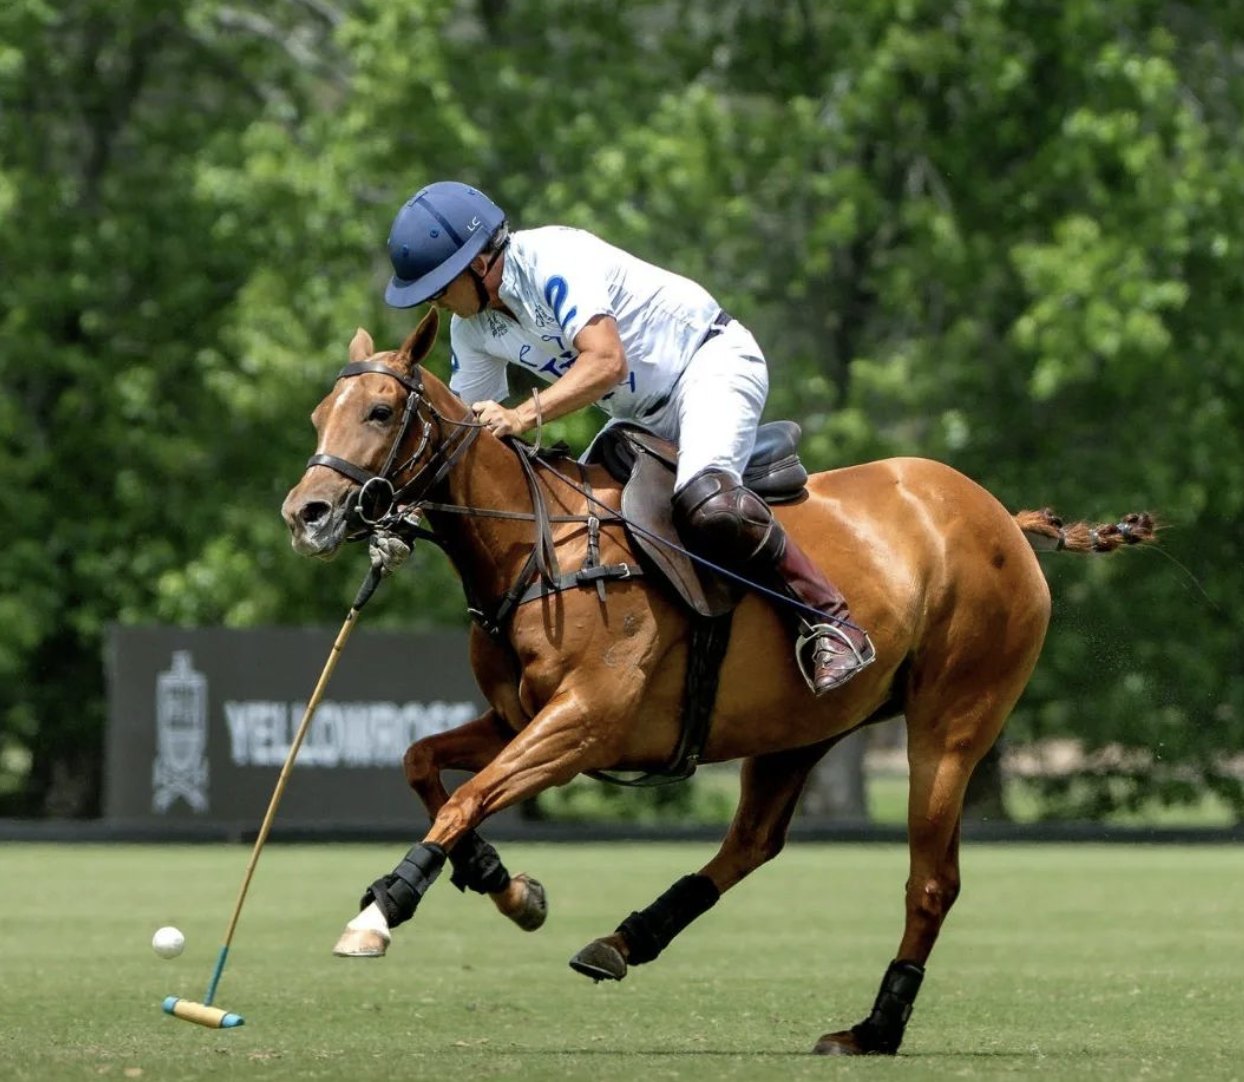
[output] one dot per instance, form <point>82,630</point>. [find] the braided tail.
<point>1046,532</point>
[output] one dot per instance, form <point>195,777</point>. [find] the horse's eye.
<point>380,413</point>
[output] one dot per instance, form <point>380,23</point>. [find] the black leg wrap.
<point>477,866</point>
<point>882,1031</point>
<point>398,895</point>
<point>648,933</point>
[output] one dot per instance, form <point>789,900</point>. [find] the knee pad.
<point>727,521</point>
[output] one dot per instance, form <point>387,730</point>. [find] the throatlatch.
<point>399,893</point>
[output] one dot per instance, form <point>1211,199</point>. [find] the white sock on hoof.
<point>371,920</point>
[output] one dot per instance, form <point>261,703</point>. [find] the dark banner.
<point>200,722</point>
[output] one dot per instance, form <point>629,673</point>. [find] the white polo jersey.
<point>555,280</point>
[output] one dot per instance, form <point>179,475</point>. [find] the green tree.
<point>1002,234</point>
<point>117,276</point>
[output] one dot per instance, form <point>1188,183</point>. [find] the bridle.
<point>381,493</point>
<point>383,503</point>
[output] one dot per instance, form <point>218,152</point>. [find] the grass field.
<point>1095,963</point>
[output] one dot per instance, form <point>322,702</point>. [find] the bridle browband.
<point>379,493</point>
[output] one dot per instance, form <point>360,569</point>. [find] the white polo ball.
<point>168,942</point>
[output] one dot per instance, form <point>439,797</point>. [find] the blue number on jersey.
<point>555,293</point>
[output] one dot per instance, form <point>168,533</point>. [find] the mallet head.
<point>212,1017</point>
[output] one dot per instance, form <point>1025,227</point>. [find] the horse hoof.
<point>843,1043</point>
<point>361,943</point>
<point>525,902</point>
<point>600,961</point>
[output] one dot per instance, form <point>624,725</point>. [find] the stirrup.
<point>812,632</point>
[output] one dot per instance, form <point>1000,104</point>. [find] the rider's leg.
<point>734,526</point>
<point>719,401</point>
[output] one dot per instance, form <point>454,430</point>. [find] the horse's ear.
<point>361,346</point>
<point>419,342</point>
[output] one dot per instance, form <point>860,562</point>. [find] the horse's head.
<point>373,434</point>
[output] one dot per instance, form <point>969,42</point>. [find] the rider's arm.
<point>600,366</point>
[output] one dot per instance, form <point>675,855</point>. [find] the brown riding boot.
<point>732,525</point>
<point>837,651</point>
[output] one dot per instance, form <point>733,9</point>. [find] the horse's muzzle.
<point>317,527</point>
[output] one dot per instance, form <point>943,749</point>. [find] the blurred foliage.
<point>1006,235</point>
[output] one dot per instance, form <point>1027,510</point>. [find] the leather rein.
<point>383,502</point>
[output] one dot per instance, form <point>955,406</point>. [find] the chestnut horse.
<point>942,576</point>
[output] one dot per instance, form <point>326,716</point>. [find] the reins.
<point>815,614</point>
<point>392,505</point>
<point>384,506</point>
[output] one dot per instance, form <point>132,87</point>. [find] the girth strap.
<point>710,636</point>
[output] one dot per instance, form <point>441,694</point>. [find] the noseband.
<point>379,492</point>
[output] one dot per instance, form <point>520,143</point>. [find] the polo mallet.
<point>204,1013</point>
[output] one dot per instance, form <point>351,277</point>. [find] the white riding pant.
<point>715,406</point>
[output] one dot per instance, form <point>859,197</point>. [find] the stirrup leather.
<point>812,632</point>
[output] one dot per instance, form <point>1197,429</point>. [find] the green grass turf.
<point>1058,963</point>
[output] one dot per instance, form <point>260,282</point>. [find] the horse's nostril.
<point>314,511</point>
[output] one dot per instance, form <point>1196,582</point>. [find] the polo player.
<point>648,346</point>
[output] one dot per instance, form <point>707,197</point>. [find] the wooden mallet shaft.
<point>204,1013</point>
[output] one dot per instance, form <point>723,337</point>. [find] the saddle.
<point>645,464</point>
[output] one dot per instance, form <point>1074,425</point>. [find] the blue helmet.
<point>435,235</point>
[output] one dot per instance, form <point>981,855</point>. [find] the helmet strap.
<point>480,291</point>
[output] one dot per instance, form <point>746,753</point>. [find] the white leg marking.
<point>371,920</point>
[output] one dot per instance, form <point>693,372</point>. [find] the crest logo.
<point>180,768</point>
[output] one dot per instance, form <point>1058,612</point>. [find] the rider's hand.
<point>388,552</point>
<point>500,420</point>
